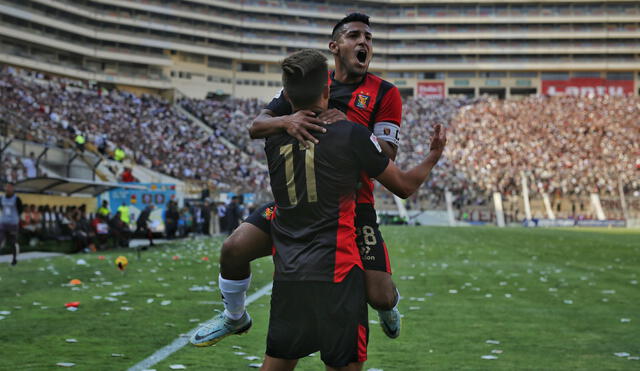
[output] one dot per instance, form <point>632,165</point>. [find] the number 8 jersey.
<point>315,194</point>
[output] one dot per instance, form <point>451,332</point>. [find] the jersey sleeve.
<point>367,151</point>
<point>279,105</point>
<point>390,108</point>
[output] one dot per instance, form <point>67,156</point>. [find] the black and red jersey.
<point>368,102</point>
<point>313,230</point>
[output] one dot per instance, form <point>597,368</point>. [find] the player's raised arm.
<point>405,183</point>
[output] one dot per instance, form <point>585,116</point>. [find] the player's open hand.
<point>300,123</point>
<point>332,115</point>
<point>439,139</point>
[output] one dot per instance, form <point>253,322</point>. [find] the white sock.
<point>233,295</point>
<point>397,298</point>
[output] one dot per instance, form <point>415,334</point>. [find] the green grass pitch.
<point>536,299</point>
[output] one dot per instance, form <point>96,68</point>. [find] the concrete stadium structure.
<point>430,48</point>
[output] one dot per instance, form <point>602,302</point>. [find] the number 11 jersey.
<point>315,194</point>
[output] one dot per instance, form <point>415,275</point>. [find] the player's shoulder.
<point>346,129</point>
<point>384,84</point>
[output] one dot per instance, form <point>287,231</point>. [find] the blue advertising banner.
<point>157,194</point>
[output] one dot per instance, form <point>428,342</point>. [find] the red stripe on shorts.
<point>362,343</point>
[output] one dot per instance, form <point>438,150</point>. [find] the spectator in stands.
<point>80,141</point>
<point>127,176</point>
<point>30,165</point>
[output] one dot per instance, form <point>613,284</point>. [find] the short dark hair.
<point>304,75</point>
<point>353,17</point>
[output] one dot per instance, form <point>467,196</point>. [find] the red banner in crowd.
<point>587,86</point>
<point>431,89</point>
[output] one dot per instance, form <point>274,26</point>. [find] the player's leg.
<point>292,330</point>
<point>381,290</point>
<point>250,241</point>
<point>382,293</point>
<point>149,236</point>
<point>12,241</point>
<point>342,315</point>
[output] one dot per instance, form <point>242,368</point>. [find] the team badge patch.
<point>362,101</point>
<point>268,213</point>
<point>386,131</point>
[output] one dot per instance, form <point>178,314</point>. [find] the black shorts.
<point>373,250</point>
<point>311,316</point>
<point>262,216</point>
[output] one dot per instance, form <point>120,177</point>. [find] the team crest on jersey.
<point>268,213</point>
<point>386,131</point>
<point>362,101</point>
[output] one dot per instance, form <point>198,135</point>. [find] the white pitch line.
<point>180,342</point>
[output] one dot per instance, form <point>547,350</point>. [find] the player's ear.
<point>286,96</point>
<point>333,47</point>
<point>325,92</point>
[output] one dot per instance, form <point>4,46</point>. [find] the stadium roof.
<point>69,186</point>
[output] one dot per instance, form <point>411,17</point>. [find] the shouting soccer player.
<point>361,97</point>
<point>318,302</point>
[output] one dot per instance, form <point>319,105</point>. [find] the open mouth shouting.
<point>361,56</point>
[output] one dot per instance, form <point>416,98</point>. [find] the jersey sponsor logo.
<point>362,101</point>
<point>374,140</point>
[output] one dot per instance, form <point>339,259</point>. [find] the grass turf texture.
<point>554,299</point>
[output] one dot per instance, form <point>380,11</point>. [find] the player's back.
<point>314,190</point>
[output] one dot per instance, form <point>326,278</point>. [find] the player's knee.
<point>230,251</point>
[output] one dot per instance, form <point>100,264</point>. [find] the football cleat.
<point>219,328</point>
<point>390,322</point>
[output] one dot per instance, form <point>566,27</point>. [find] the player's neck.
<point>341,75</point>
<point>317,109</point>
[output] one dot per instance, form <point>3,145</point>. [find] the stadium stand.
<point>232,49</point>
<point>147,127</point>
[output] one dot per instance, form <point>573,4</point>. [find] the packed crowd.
<point>229,119</point>
<point>564,145</point>
<point>15,168</point>
<point>419,117</point>
<point>148,128</point>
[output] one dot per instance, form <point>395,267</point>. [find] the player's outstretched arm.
<point>298,125</point>
<point>404,183</point>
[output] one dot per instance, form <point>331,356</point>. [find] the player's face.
<point>354,48</point>
<point>8,190</point>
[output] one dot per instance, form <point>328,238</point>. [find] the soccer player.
<point>363,98</point>
<point>11,207</point>
<point>318,302</point>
